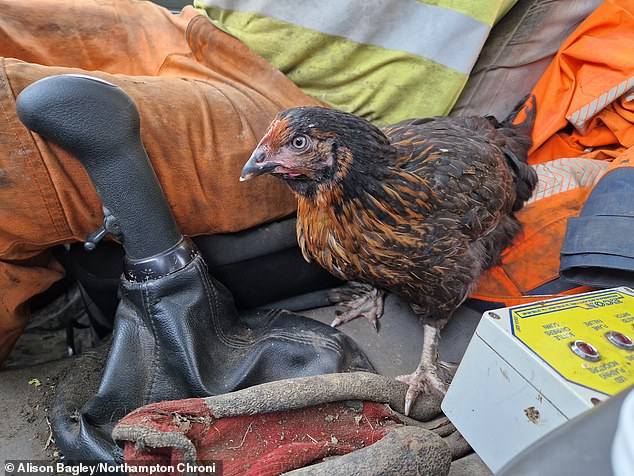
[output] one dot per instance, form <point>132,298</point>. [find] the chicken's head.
<point>311,146</point>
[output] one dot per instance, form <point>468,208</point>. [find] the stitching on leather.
<point>238,343</point>
<point>156,354</point>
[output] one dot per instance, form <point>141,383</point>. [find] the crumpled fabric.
<point>583,134</point>
<point>384,60</point>
<point>290,424</point>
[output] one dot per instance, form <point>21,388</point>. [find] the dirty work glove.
<point>292,424</point>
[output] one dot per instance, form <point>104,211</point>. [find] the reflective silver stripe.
<point>582,116</point>
<point>405,25</point>
<point>565,174</point>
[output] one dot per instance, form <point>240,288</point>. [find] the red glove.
<point>280,426</point>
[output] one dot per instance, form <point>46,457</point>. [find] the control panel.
<point>530,368</point>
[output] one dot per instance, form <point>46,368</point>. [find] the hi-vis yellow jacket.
<point>385,60</point>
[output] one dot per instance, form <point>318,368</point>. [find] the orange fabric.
<point>204,99</point>
<point>593,61</point>
<point>595,58</point>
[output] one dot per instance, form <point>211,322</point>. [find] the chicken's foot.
<point>361,300</point>
<point>432,374</point>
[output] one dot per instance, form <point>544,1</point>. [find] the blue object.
<point>598,248</point>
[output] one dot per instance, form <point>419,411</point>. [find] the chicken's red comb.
<point>276,133</point>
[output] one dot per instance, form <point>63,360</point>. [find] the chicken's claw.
<point>410,396</point>
<point>426,379</point>
<point>361,300</point>
<point>353,314</point>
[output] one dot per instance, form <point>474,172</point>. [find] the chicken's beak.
<point>257,165</point>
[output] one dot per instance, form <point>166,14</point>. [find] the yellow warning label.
<point>549,328</point>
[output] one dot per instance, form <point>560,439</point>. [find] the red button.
<point>584,350</point>
<point>620,340</point>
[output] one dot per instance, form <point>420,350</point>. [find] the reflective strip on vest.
<point>561,175</point>
<point>582,116</point>
<point>385,60</point>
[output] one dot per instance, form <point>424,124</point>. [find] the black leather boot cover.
<point>180,336</point>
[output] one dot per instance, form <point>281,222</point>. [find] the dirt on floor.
<point>24,414</point>
<point>30,376</point>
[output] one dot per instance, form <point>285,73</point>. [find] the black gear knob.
<point>99,123</point>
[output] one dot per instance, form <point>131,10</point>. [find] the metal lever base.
<point>161,265</point>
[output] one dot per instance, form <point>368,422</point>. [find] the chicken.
<point>418,209</point>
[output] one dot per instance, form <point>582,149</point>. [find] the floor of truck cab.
<point>28,382</point>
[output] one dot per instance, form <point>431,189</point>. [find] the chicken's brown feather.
<point>419,208</point>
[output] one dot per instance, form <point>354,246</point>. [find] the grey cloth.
<point>519,49</point>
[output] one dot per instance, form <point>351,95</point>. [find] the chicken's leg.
<point>431,374</point>
<point>361,300</point>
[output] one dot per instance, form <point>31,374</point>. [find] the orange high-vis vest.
<point>583,143</point>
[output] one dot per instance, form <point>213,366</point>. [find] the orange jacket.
<point>583,136</point>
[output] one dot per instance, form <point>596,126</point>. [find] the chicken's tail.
<point>528,104</point>
<point>516,147</point>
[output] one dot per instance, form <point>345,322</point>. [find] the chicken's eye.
<point>299,142</point>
